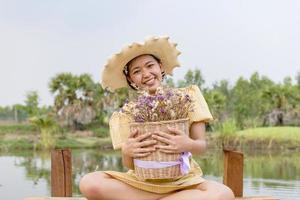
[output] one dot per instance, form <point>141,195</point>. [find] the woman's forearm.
<point>197,144</point>
<point>197,147</point>
<point>127,161</point>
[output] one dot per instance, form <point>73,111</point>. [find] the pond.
<point>27,173</point>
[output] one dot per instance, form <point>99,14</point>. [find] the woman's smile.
<point>149,81</point>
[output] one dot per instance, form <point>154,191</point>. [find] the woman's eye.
<point>150,65</point>
<point>136,71</point>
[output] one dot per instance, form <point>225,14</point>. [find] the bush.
<point>226,131</point>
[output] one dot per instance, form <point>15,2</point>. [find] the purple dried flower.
<point>169,94</point>
<point>139,118</point>
<point>162,110</point>
<point>187,98</point>
<point>164,105</point>
<point>160,97</point>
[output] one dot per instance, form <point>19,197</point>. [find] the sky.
<point>225,39</point>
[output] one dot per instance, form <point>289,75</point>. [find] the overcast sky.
<point>225,39</point>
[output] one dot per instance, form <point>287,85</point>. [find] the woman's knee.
<point>224,193</point>
<point>217,190</point>
<point>92,185</point>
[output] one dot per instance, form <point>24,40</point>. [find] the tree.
<point>216,102</point>
<point>47,127</point>
<point>298,80</point>
<point>32,103</point>
<point>169,81</point>
<point>74,98</point>
<point>192,78</point>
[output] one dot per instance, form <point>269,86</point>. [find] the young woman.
<point>142,66</point>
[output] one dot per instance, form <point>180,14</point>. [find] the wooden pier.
<point>61,176</point>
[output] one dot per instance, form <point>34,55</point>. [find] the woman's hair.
<point>126,70</point>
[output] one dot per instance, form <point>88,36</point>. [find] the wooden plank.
<point>68,171</point>
<point>61,173</point>
<point>82,198</point>
<point>233,171</point>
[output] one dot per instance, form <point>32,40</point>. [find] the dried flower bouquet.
<point>166,108</point>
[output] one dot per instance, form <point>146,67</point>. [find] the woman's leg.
<point>207,190</point>
<point>101,186</point>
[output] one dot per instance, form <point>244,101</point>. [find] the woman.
<point>142,66</point>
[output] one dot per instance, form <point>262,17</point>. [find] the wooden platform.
<point>61,176</point>
<point>82,198</point>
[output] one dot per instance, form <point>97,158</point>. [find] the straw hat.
<point>112,74</point>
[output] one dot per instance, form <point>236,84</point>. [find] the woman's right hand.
<point>137,146</point>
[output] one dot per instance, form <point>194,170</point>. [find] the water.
<point>27,173</point>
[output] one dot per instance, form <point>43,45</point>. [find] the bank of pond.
<point>25,136</point>
<point>274,173</point>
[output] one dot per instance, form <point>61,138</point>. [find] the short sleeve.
<point>119,129</point>
<point>200,108</point>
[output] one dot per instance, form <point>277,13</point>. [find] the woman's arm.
<point>194,143</point>
<point>136,147</point>
<point>127,161</point>
<point>198,142</point>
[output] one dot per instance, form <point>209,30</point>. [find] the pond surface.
<point>27,173</point>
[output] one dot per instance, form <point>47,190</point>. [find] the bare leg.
<point>101,186</point>
<point>208,190</point>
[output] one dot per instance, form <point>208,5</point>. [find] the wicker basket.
<point>160,173</point>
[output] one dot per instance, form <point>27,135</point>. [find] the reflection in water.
<point>274,174</point>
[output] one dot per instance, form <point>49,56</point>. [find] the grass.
<point>279,133</point>
<point>263,137</point>
<point>26,136</point>
<point>287,136</point>
<point>17,129</point>
<point>16,144</point>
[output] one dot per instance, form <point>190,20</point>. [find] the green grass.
<point>280,134</point>
<point>88,142</point>
<point>284,137</point>
<point>18,129</point>
<point>68,142</point>
<point>99,130</point>
<point>16,144</point>
<point>263,137</point>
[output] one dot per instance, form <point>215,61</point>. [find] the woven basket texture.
<point>172,172</point>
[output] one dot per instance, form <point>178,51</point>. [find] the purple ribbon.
<point>183,161</point>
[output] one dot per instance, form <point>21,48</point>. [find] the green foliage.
<point>100,131</point>
<point>298,80</point>
<point>13,144</point>
<point>77,98</point>
<point>192,78</point>
<point>280,134</point>
<point>19,129</point>
<point>226,131</point>
<point>79,101</point>
<point>32,102</point>
<point>48,127</point>
<point>217,103</point>
<point>169,81</point>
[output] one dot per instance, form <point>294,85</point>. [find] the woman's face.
<point>145,72</point>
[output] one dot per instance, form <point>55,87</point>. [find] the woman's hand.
<point>137,146</point>
<point>177,142</point>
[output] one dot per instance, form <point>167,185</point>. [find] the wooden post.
<point>233,171</point>
<point>61,173</point>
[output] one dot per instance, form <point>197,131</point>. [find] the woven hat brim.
<point>112,74</point>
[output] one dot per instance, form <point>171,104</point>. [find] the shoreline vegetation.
<point>254,112</point>
<point>27,137</point>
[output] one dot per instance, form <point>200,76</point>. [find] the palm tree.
<point>73,98</point>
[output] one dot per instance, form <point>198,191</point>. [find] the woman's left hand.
<point>177,142</point>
